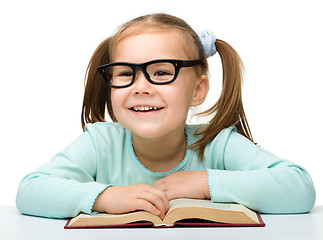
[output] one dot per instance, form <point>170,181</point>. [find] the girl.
<point>148,75</point>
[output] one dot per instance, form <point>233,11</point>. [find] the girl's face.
<point>172,101</point>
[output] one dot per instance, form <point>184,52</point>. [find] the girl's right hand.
<point>122,199</point>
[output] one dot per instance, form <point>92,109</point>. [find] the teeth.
<point>145,108</point>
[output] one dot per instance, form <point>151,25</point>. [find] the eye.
<point>162,73</point>
<point>122,72</point>
<point>125,74</point>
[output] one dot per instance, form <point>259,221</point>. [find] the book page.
<point>184,202</point>
<point>117,218</point>
<point>177,207</point>
<point>98,215</point>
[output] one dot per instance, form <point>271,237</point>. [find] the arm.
<point>65,186</point>
<point>244,173</point>
<point>259,180</point>
<point>68,185</point>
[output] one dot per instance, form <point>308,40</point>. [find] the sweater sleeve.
<point>65,186</point>
<point>252,176</point>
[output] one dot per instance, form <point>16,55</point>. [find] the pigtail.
<point>228,109</point>
<point>97,93</point>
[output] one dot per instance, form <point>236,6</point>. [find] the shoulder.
<point>215,150</point>
<point>221,139</point>
<point>105,131</point>
<point>104,127</point>
<point>230,139</point>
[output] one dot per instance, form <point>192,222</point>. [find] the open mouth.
<point>145,108</point>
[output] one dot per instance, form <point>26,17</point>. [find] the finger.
<point>166,193</point>
<point>163,196</point>
<point>146,206</point>
<point>166,188</point>
<point>157,199</point>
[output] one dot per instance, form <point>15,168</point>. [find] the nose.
<point>141,85</point>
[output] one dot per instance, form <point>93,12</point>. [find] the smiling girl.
<point>147,76</point>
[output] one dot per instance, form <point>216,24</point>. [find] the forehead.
<point>145,44</point>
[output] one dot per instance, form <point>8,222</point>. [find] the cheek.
<point>185,95</point>
<point>113,100</point>
<point>117,97</point>
<point>181,99</point>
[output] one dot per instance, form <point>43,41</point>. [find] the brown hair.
<point>228,110</point>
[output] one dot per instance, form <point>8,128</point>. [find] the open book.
<point>182,212</point>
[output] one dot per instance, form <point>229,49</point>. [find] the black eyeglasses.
<point>160,72</point>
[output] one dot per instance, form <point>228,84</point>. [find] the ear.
<point>200,91</point>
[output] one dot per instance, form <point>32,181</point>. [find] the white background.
<point>46,45</point>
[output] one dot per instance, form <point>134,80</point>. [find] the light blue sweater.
<point>238,171</point>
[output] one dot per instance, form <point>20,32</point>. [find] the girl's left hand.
<point>185,184</point>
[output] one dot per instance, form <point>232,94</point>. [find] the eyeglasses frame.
<point>178,64</point>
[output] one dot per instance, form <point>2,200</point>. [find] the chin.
<point>148,133</point>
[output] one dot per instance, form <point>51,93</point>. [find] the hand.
<point>122,199</point>
<point>185,184</point>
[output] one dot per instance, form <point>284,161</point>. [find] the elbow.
<point>304,200</point>
<point>294,197</point>
<point>303,193</point>
<point>20,202</point>
<point>22,197</point>
<point>27,199</point>
<point>288,203</point>
<point>293,203</point>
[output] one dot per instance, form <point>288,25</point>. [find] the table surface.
<point>14,225</point>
